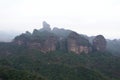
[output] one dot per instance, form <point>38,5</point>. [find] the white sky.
<point>90,17</point>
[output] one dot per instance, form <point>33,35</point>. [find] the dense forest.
<point>57,65</point>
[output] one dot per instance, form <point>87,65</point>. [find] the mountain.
<point>57,54</point>
<point>99,43</point>
<point>114,46</point>
<point>47,40</point>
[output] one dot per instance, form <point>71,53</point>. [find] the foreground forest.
<point>57,65</point>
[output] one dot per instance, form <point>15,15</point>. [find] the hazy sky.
<point>89,17</point>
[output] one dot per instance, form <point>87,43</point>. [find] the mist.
<point>85,17</point>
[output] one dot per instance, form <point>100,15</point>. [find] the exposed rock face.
<point>77,43</point>
<point>84,49</point>
<point>19,42</point>
<point>43,41</point>
<point>23,39</point>
<point>47,40</point>
<point>72,46</point>
<point>99,43</point>
<point>46,27</point>
<point>35,45</point>
<point>47,45</point>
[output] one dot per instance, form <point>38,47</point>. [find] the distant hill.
<point>114,46</point>
<point>7,36</point>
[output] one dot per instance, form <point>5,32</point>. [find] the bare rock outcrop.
<point>22,39</point>
<point>99,43</point>
<point>47,40</point>
<point>77,43</point>
<point>47,45</point>
<point>46,26</point>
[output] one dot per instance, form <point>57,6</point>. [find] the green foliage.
<point>59,65</point>
<point>7,73</point>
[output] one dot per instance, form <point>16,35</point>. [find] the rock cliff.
<point>77,43</point>
<point>47,40</point>
<point>99,43</point>
<point>46,26</point>
<point>48,45</point>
